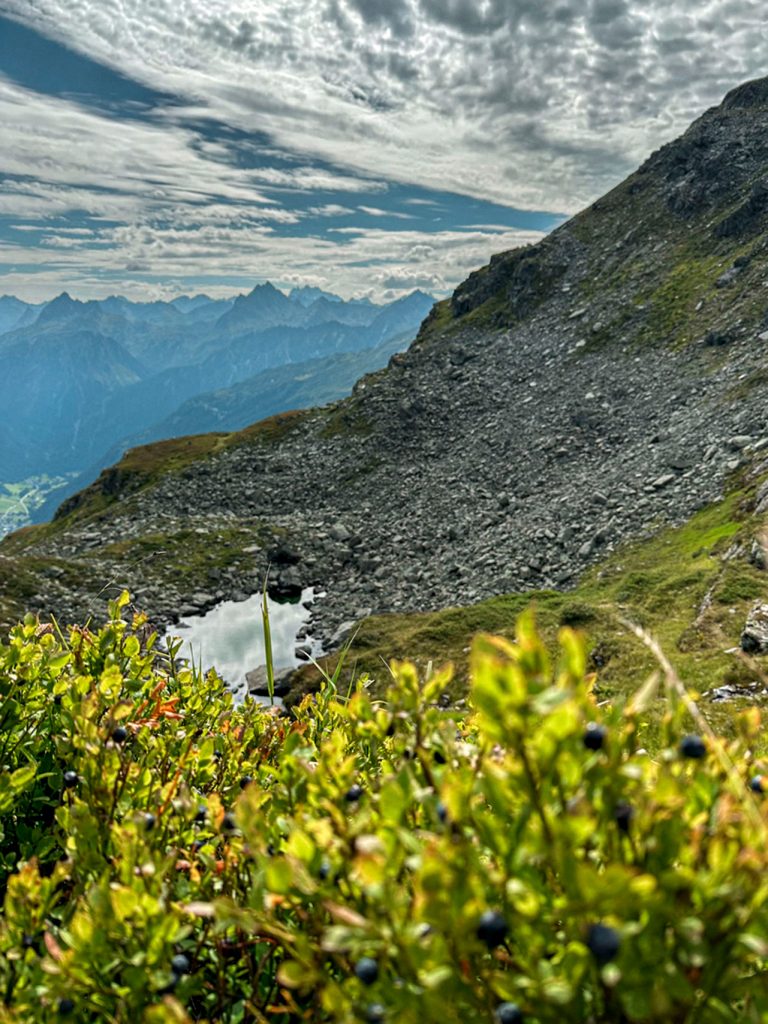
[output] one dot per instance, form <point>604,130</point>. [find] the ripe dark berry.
<point>353,794</point>
<point>246,781</point>
<point>71,779</point>
<point>509,1013</point>
<point>375,1014</point>
<point>202,815</point>
<point>120,734</point>
<point>756,784</point>
<point>180,964</point>
<point>603,942</point>
<point>324,871</point>
<point>492,928</point>
<point>594,736</point>
<point>27,940</point>
<point>623,815</point>
<point>366,970</point>
<point>442,812</point>
<point>693,747</point>
<point>65,1007</point>
<point>149,822</point>
<point>229,824</point>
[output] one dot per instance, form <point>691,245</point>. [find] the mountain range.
<point>82,380</point>
<point>584,420</point>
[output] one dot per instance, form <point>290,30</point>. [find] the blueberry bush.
<point>168,856</point>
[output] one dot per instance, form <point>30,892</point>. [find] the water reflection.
<point>230,637</point>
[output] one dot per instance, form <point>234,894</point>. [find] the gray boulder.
<point>754,639</point>
<point>257,681</point>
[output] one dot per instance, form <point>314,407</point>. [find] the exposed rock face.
<point>754,639</point>
<point>593,394</point>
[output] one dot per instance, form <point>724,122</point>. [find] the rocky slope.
<point>85,376</point>
<point>570,396</point>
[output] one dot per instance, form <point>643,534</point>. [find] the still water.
<point>230,637</point>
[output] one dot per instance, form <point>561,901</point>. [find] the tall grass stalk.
<point>268,644</point>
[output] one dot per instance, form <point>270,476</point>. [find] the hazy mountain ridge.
<point>83,375</point>
<point>569,397</point>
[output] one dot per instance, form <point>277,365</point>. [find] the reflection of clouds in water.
<point>230,637</point>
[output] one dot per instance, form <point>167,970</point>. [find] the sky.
<point>157,147</point>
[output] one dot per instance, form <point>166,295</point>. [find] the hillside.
<point>570,398</point>
<point>82,379</point>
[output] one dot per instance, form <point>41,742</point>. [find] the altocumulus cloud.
<point>291,121</point>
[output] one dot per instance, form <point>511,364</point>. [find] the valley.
<point>85,381</point>
<point>570,398</point>
<point>20,500</point>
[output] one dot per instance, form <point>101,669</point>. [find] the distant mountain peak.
<point>62,306</point>
<point>265,288</point>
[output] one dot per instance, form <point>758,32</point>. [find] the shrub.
<point>367,860</point>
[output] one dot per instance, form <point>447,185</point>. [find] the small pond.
<point>230,637</point>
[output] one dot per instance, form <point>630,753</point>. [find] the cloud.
<point>352,261</point>
<point>395,15</point>
<point>330,210</point>
<point>375,211</point>
<point>596,84</point>
<point>290,114</point>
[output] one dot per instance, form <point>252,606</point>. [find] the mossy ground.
<point>659,583</point>
<point>189,560</point>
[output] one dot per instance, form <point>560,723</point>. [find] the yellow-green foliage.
<point>166,856</point>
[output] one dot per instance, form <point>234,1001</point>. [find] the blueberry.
<point>756,784</point>
<point>492,928</point>
<point>623,815</point>
<point>202,815</point>
<point>594,736</point>
<point>149,821</point>
<point>180,965</point>
<point>65,1007</point>
<point>120,734</point>
<point>366,970</point>
<point>229,824</point>
<point>509,1013</point>
<point>27,940</point>
<point>246,781</point>
<point>603,942</point>
<point>71,779</point>
<point>375,1014</point>
<point>353,794</point>
<point>693,747</point>
<point>324,871</point>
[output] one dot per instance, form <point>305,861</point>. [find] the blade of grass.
<point>268,643</point>
<point>332,681</point>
